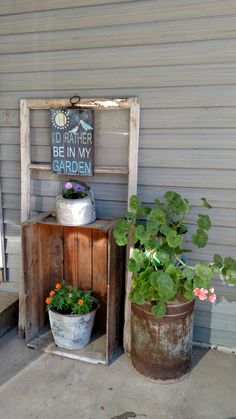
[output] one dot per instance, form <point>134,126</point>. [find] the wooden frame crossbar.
<point>133,105</point>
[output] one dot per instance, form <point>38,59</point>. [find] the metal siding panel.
<point>198,29</point>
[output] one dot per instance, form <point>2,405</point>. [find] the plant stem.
<point>184,264</point>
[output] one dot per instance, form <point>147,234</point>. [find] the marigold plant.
<point>65,299</point>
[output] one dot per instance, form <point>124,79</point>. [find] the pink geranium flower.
<point>212,298</point>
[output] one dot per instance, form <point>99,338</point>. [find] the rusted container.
<point>161,348</point>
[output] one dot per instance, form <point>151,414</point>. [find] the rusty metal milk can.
<point>161,348</point>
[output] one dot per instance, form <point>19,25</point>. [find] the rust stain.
<point>162,348</point>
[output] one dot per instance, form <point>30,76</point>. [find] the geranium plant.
<point>72,190</point>
<point>158,262</point>
<point>65,299</point>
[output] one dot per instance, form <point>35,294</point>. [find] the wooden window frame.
<point>133,105</point>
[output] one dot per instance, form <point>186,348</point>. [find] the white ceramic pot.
<point>75,212</point>
<point>71,331</point>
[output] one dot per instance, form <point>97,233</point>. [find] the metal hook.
<point>75,99</point>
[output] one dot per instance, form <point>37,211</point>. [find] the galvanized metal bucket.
<point>71,331</point>
<point>161,348</point>
<point>76,212</point>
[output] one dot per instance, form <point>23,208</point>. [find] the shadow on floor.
<point>14,355</point>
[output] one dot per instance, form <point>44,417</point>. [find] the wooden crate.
<point>86,257</point>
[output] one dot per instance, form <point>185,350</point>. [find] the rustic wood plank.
<point>100,103</point>
<point>25,159</point>
<point>85,259</point>
<point>98,170</point>
<point>29,307</point>
<point>132,190</point>
<point>51,261</point>
<point>100,272</point>
<point>70,252</point>
<point>115,295</point>
<point>25,201</point>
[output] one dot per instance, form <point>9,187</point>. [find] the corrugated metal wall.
<point>179,58</point>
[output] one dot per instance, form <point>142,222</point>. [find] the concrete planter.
<point>161,348</point>
<point>71,331</point>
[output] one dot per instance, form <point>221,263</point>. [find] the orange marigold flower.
<point>52,293</point>
<point>80,302</point>
<point>48,300</point>
<point>58,286</point>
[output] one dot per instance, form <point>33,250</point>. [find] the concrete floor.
<point>43,386</point>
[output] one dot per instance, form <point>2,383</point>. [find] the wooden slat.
<point>100,103</point>
<point>213,118</point>
<point>208,52</point>
<point>108,15</point>
<point>207,74</point>
<point>151,98</point>
<point>171,178</point>
<point>132,190</point>
<point>70,255</point>
<point>100,272</point>
<point>25,160</point>
<point>115,296</point>
<point>198,29</point>
<point>29,293</point>
<point>179,158</point>
<point>85,259</point>
<point>26,6</point>
<point>98,170</point>
<point>189,159</point>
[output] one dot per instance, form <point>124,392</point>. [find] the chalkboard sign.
<point>72,141</point>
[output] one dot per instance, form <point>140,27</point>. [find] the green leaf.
<point>232,278</point>
<point>176,204</point>
<point>159,309</point>
<point>136,297</point>
<point>138,261</point>
<point>163,284</point>
<point>174,239</point>
<point>230,263</point>
<point>200,238</point>
<point>163,257</point>
<point>203,271</point>
<point>121,231</point>
<point>174,271</point>
<point>206,203</point>
<point>164,229</point>
<point>204,222</point>
<point>218,260</point>
<point>141,233</point>
<point>152,227</point>
<point>135,203</point>
<point>188,273</point>
<point>182,229</point>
